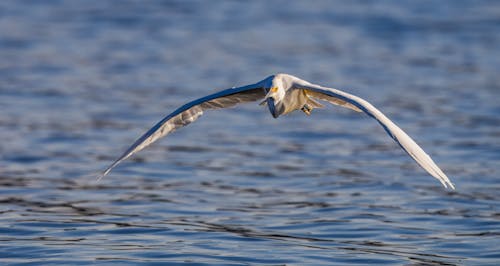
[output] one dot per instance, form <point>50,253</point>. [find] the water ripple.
<point>79,82</point>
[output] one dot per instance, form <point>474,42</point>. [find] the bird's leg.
<point>306,109</point>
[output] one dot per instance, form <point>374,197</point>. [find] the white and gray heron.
<point>283,94</point>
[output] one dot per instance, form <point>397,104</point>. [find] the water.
<point>80,80</point>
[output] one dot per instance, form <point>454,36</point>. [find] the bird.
<point>283,94</point>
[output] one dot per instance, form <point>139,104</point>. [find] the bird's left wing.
<point>356,103</point>
<point>189,113</point>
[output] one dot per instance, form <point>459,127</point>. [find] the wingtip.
<point>446,182</point>
<point>451,185</point>
<point>103,174</point>
<point>99,177</point>
<point>444,179</point>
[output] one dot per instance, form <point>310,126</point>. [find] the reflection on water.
<point>79,82</point>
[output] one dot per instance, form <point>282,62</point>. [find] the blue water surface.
<point>81,80</point>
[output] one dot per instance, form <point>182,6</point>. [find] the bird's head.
<point>274,97</point>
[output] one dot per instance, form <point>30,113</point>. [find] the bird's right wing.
<point>345,99</point>
<point>189,113</point>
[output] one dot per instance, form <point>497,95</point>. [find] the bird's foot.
<point>306,109</point>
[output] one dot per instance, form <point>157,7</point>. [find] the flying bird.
<point>282,93</point>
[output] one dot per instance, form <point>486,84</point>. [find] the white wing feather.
<point>407,143</point>
<point>189,113</point>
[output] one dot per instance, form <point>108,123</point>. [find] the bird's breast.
<point>293,100</point>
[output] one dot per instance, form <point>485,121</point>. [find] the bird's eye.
<point>274,89</point>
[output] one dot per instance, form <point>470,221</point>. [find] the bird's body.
<point>283,94</point>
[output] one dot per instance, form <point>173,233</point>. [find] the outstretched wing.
<point>189,113</point>
<point>408,144</point>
